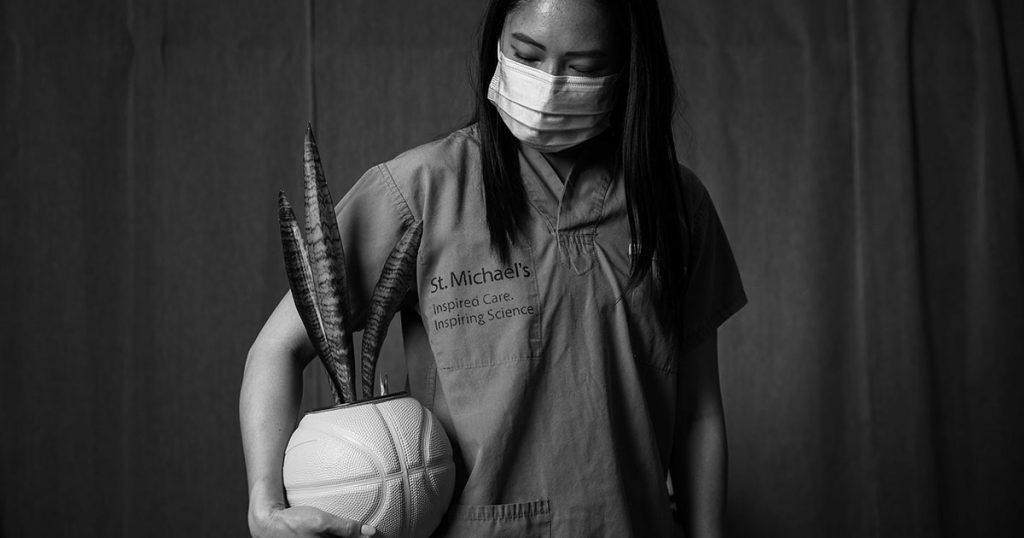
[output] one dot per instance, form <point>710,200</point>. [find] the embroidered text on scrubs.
<point>455,321</point>
<point>455,309</point>
<point>468,277</point>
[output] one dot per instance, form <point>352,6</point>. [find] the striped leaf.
<point>327,261</point>
<point>397,278</point>
<point>300,280</point>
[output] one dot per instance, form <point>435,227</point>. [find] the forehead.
<point>562,25</point>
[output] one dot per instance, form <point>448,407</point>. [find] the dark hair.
<point>646,157</point>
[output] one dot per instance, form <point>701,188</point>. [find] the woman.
<point>570,282</point>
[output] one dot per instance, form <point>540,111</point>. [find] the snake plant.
<point>316,276</point>
<point>397,278</point>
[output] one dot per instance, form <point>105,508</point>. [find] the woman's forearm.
<point>701,498</point>
<point>698,464</point>
<point>268,406</point>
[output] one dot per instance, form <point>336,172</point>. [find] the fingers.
<point>331,525</point>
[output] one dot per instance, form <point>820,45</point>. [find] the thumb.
<point>336,526</point>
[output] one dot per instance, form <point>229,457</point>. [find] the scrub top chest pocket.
<point>479,310</point>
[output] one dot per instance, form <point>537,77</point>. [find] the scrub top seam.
<point>714,321</point>
<point>397,198</point>
<point>702,217</point>
<point>532,195</point>
<point>597,211</point>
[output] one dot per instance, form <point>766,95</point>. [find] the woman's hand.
<point>303,522</point>
<point>268,406</point>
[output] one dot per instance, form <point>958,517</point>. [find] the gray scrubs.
<point>555,386</point>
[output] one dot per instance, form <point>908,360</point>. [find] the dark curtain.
<point>866,158</point>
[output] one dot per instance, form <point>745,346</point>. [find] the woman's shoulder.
<point>432,172</point>
<point>696,197</point>
<point>447,153</point>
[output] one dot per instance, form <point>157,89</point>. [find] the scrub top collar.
<point>575,207</point>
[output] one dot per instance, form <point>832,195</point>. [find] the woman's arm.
<point>268,406</point>
<point>699,458</point>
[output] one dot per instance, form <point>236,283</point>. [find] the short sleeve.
<point>372,216</point>
<point>714,290</point>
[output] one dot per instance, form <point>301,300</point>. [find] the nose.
<point>553,67</point>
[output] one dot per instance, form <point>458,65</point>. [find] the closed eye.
<point>524,58</point>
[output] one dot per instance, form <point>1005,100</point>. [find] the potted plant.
<point>383,460</point>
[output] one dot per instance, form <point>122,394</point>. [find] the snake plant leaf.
<point>300,280</point>
<point>323,212</point>
<point>396,279</point>
<point>327,261</point>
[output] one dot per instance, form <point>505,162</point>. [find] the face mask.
<point>546,112</point>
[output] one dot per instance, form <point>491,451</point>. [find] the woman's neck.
<point>563,161</point>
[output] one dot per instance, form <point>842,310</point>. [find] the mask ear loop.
<point>502,59</point>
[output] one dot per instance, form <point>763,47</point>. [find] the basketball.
<point>385,462</point>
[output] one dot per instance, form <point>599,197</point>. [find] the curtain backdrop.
<point>865,156</point>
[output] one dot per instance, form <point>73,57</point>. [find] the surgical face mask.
<point>550,113</point>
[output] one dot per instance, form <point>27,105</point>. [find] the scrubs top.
<point>556,387</point>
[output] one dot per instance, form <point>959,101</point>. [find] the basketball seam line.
<point>426,430</point>
<point>379,480</point>
<point>355,442</point>
<point>405,469</point>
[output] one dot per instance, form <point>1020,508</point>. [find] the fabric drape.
<point>865,158</point>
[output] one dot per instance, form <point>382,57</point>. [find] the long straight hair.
<point>646,156</point>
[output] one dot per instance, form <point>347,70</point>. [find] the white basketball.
<point>385,462</point>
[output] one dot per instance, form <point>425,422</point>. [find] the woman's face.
<point>562,37</point>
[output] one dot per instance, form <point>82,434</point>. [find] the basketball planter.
<point>384,461</point>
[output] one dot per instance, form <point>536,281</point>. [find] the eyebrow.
<point>579,53</point>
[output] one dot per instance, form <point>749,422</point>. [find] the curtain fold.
<point>971,194</point>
